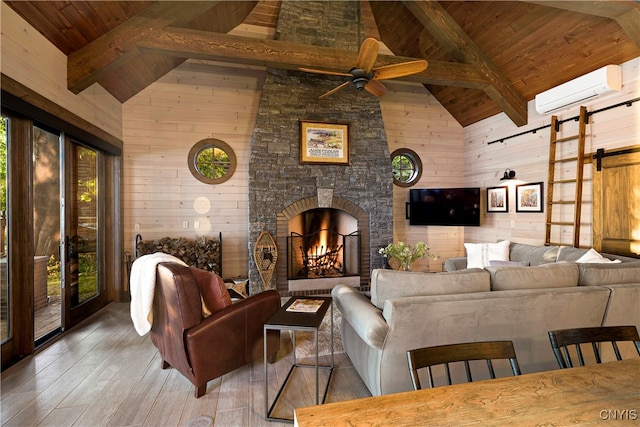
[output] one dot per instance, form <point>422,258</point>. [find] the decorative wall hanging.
<point>529,197</point>
<point>265,255</point>
<point>324,143</point>
<point>497,199</point>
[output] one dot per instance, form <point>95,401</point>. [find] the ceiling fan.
<point>364,76</point>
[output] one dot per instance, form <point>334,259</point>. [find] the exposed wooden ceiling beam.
<point>630,23</point>
<point>626,13</point>
<point>184,43</point>
<point>606,9</point>
<point>108,52</point>
<point>444,28</point>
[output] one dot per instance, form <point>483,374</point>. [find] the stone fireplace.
<point>281,187</point>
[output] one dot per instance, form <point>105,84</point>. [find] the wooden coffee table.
<point>297,321</point>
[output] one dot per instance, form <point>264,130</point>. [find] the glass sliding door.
<point>65,195</point>
<point>54,271</point>
<point>82,225</point>
<point>83,277</point>
<point>4,276</point>
<point>47,283</point>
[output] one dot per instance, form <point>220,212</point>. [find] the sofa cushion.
<point>479,254</point>
<point>609,274</point>
<point>553,275</point>
<point>457,263</point>
<point>214,292</point>
<point>496,263</point>
<point>534,254</point>
<point>387,284</point>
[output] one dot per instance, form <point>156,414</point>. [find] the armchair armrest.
<point>365,318</point>
<point>237,328</point>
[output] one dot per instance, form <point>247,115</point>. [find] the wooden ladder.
<point>552,182</point>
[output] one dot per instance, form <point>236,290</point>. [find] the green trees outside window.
<point>406,167</point>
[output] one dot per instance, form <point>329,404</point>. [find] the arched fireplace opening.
<point>323,243</point>
<point>347,229</point>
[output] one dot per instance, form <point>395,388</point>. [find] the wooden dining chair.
<point>563,339</point>
<point>428,357</point>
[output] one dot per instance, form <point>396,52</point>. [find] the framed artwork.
<point>324,143</point>
<point>497,199</point>
<point>529,197</point>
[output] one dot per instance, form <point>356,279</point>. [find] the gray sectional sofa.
<point>410,310</point>
<point>536,255</point>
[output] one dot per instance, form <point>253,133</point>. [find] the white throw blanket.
<point>143,284</point>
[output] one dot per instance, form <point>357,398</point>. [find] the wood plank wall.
<point>414,119</point>
<point>528,155</point>
<point>201,100</point>
<point>32,60</point>
<point>161,124</point>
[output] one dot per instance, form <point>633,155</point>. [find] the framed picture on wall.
<point>322,142</point>
<point>529,197</point>
<point>497,199</point>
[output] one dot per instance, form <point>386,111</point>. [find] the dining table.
<point>599,394</point>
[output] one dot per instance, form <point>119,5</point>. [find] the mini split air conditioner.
<point>596,83</point>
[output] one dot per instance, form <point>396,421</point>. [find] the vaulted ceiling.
<point>485,57</point>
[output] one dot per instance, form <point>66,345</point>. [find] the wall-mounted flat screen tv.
<point>444,206</point>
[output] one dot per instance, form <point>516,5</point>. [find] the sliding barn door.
<point>616,202</point>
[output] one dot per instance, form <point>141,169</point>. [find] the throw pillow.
<point>213,291</point>
<point>479,254</point>
<point>592,256</point>
<point>497,263</point>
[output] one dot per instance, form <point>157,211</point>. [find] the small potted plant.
<point>405,253</point>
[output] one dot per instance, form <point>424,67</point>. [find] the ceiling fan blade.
<point>375,88</point>
<point>330,73</point>
<point>368,54</point>
<point>334,90</point>
<point>399,70</point>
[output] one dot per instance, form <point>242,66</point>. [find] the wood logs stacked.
<point>202,252</point>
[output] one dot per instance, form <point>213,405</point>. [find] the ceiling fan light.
<point>360,77</point>
<point>360,82</point>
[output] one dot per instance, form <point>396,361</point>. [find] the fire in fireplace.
<point>324,244</point>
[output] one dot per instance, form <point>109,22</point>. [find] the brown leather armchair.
<point>203,348</point>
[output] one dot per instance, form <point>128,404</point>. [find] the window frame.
<point>211,143</point>
<point>416,162</point>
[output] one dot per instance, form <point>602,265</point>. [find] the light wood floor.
<point>47,318</point>
<point>101,373</point>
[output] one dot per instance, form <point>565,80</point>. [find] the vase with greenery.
<point>406,253</point>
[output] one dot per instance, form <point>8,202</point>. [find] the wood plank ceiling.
<point>485,57</point>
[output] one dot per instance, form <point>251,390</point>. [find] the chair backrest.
<point>563,339</point>
<point>465,352</point>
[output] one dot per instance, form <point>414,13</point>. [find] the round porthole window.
<point>406,167</point>
<point>212,161</point>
